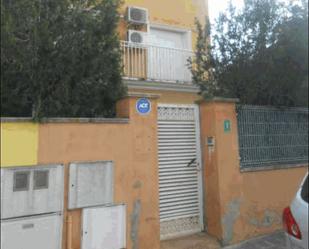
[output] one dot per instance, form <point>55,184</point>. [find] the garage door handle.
<point>191,162</point>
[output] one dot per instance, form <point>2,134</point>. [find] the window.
<point>21,181</point>
<point>40,179</point>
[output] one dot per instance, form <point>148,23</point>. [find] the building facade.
<point>170,163</point>
<point>158,38</point>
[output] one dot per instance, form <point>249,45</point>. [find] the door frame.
<point>198,154</point>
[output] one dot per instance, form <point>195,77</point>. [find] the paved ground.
<point>272,241</point>
<point>204,241</point>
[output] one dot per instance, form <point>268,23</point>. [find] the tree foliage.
<point>60,58</point>
<point>258,54</point>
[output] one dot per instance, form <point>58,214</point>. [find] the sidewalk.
<point>204,241</point>
<point>272,241</point>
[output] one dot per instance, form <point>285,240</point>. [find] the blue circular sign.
<point>143,106</point>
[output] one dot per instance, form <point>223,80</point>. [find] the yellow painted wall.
<point>172,12</point>
<point>175,13</point>
<point>19,144</point>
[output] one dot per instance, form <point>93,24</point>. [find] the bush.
<point>258,54</point>
<point>60,58</point>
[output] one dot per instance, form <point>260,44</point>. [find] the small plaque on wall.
<point>227,126</point>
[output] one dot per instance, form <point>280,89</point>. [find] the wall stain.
<point>135,218</point>
<point>137,184</point>
<point>229,219</point>
<point>150,219</point>
<point>269,219</point>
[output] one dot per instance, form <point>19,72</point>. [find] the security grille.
<point>270,136</point>
<point>179,171</point>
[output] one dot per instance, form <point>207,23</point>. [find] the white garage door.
<point>180,176</point>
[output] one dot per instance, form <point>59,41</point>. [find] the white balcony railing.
<point>155,63</point>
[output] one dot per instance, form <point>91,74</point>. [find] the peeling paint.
<point>269,219</point>
<point>229,219</point>
<point>135,218</point>
<point>150,219</point>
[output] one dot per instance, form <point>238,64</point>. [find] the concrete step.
<point>196,241</point>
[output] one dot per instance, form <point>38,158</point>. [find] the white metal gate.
<point>180,175</point>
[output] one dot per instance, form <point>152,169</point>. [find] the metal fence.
<point>270,136</point>
<point>149,62</point>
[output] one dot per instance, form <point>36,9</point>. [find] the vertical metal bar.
<point>145,62</point>
<point>162,66</point>
<point>131,61</point>
<point>139,62</point>
<point>127,60</point>
<point>170,63</point>
<point>122,57</point>
<point>134,61</point>
<point>125,55</point>
<point>157,65</point>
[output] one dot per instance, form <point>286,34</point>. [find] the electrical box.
<point>33,232</point>
<point>104,227</point>
<point>90,184</point>
<point>31,190</point>
<point>210,141</point>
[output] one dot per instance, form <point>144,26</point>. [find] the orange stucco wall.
<point>133,148</point>
<point>265,194</point>
<point>240,205</point>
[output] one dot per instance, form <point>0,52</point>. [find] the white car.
<point>295,219</point>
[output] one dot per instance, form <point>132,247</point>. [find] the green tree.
<point>258,54</point>
<point>60,58</point>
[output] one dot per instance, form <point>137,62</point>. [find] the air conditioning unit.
<point>137,36</point>
<point>137,15</point>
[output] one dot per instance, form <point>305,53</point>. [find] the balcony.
<point>146,62</point>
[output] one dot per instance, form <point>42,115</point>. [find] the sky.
<point>217,6</point>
